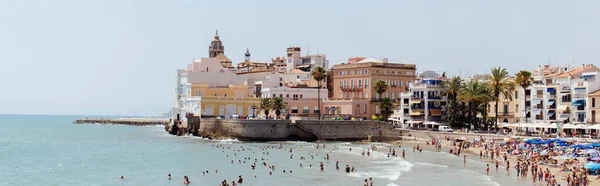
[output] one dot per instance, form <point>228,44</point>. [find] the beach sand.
<point>474,155</point>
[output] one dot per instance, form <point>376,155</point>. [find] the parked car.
<point>445,129</point>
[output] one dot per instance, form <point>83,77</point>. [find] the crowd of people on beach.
<point>533,160</point>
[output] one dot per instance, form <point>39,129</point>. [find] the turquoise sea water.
<point>49,150</point>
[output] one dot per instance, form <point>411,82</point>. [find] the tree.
<point>319,74</point>
<point>451,89</point>
<point>380,87</point>
<point>501,84</point>
<point>278,105</point>
<point>386,108</point>
<point>524,79</point>
<point>485,97</point>
<point>265,105</point>
<point>473,93</point>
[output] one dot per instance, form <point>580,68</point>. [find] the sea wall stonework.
<point>273,130</point>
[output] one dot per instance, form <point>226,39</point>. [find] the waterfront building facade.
<point>427,104</point>
<point>353,91</point>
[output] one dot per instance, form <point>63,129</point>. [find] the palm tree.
<point>278,105</point>
<point>501,84</point>
<point>265,105</point>
<point>451,89</point>
<point>485,97</point>
<point>386,107</point>
<point>472,93</point>
<point>319,74</point>
<point>524,79</point>
<point>380,87</point>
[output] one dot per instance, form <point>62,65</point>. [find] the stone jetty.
<point>123,121</point>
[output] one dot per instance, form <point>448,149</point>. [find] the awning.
<point>578,102</point>
<point>303,66</point>
<point>587,76</point>
<point>415,113</point>
<point>415,101</point>
<point>435,112</point>
<point>550,90</point>
<point>550,102</point>
<point>580,88</point>
<point>550,113</point>
<point>562,107</point>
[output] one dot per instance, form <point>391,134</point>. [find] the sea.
<point>50,150</point>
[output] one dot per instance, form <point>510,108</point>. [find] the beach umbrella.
<point>592,166</point>
<point>596,159</point>
<point>591,151</point>
<point>595,144</point>
<point>580,146</point>
<point>562,144</point>
<point>560,141</point>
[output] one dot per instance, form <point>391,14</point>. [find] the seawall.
<point>123,121</point>
<point>277,130</point>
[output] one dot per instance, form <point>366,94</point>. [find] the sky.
<point>119,57</point>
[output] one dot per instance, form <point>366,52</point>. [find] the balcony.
<point>415,97</point>
<point>393,86</point>
<point>434,97</point>
<point>434,118</point>
<point>578,96</point>
<point>417,107</point>
<point>350,88</point>
<point>551,96</point>
<point>506,114</point>
<point>417,118</point>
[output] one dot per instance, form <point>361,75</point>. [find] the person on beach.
<point>507,167</point>
<point>487,169</point>
<point>518,167</point>
<point>496,166</point>
<point>465,161</point>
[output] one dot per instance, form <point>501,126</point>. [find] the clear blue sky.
<point>113,57</point>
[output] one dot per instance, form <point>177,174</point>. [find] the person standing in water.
<point>465,161</point>
<point>186,180</point>
<point>487,169</point>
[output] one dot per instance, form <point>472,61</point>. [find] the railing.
<point>552,96</point>
<point>418,118</point>
<point>416,97</point>
<point>434,97</point>
<point>417,107</point>
<point>578,96</point>
<point>434,107</point>
<point>350,88</point>
<point>507,113</point>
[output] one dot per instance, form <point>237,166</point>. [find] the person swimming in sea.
<point>321,166</point>
<point>169,176</point>
<point>240,180</point>
<point>122,178</point>
<point>347,169</point>
<point>186,180</point>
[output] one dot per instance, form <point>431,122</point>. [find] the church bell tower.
<point>216,46</point>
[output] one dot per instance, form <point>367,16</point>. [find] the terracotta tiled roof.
<point>577,71</point>
<point>596,93</point>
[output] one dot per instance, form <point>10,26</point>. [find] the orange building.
<point>352,86</point>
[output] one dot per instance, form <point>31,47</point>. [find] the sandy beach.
<point>473,154</point>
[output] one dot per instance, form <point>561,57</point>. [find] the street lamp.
<point>253,109</point>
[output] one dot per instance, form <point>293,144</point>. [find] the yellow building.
<point>224,101</point>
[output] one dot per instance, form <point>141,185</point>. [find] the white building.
<point>427,105</point>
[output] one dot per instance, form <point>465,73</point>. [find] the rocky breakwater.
<point>123,121</point>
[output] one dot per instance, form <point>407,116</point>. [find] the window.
<point>366,82</point>
<point>516,94</point>
<point>593,102</point>
<point>393,72</point>
<point>386,72</point>
<point>400,83</point>
<point>377,71</point>
<point>300,96</point>
<point>364,108</point>
<point>305,110</point>
<point>287,96</point>
<point>359,82</point>
<point>517,108</point>
<point>366,71</point>
<point>199,92</point>
<point>295,109</point>
<point>216,95</point>
<point>352,83</point>
<point>281,95</point>
<point>316,110</point>
<point>274,95</point>
<point>224,95</point>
